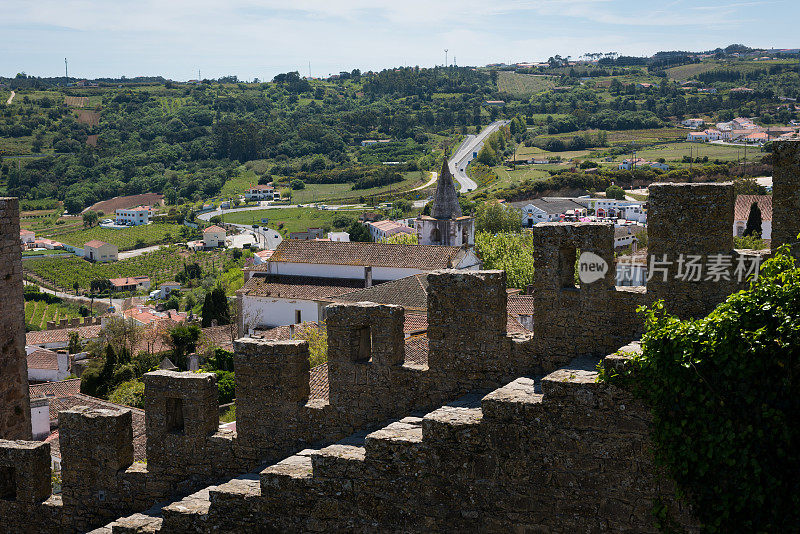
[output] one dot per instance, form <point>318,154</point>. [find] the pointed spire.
<point>445,200</point>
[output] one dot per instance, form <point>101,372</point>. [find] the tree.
<point>215,308</point>
<point>402,239</point>
<point>753,227</point>
<point>100,285</point>
<point>183,339</point>
<point>487,155</point>
<point>297,184</point>
<point>74,345</point>
<point>615,192</point>
<point>494,217</point>
<point>358,232</point>
<point>90,218</point>
<point>76,286</point>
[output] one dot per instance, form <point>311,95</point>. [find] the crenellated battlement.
<point>547,448</point>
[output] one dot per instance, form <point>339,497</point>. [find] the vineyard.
<point>523,85</point>
<point>161,266</point>
<point>127,238</point>
<point>38,312</point>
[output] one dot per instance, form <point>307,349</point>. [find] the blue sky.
<point>260,38</point>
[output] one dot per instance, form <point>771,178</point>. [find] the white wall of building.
<point>269,311</point>
<point>766,229</point>
<point>40,418</point>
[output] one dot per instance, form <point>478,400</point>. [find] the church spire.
<point>445,200</point>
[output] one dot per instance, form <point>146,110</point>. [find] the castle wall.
<point>786,194</point>
<point>15,410</point>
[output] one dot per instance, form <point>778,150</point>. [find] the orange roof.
<point>61,335</point>
<point>127,281</point>
<point>214,228</point>
<point>43,359</point>
<point>741,210</point>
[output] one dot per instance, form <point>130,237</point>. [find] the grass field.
<point>38,312</point>
<point>532,151</point>
<point>673,153</point>
<point>523,85</point>
<point>508,178</point>
<point>161,266</point>
<point>292,219</point>
<point>125,239</point>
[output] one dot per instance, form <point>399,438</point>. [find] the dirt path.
<point>10,98</point>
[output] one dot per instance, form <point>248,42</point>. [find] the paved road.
<point>465,153</point>
<point>434,176</point>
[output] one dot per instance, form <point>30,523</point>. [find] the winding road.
<point>471,145</point>
<point>11,98</point>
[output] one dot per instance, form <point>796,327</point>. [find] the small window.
<point>8,483</point>
<point>567,258</point>
<point>298,317</point>
<point>175,415</point>
<point>363,340</point>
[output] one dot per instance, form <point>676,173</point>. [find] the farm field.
<point>38,312</point>
<point>108,207</point>
<point>161,266</point>
<point>684,72</point>
<point>508,178</point>
<point>125,239</point>
<point>523,85</point>
<point>532,151</point>
<point>292,219</point>
<point>674,152</point>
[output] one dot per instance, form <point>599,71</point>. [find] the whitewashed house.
<point>260,192</point>
<point>213,237</point>
<point>45,365</point>
<point>100,251</point>
<point>549,209</point>
<point>133,216</point>
<point>300,277</point>
<point>693,123</point>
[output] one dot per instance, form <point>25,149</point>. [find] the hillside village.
<point>335,321</point>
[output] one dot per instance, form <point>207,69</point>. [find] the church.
<point>445,225</point>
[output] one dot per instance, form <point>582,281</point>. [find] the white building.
<point>380,230</point>
<point>294,285</point>
<point>342,237</point>
<point>213,237</point>
<point>260,192</point>
<point>741,213</point>
<point>630,210</point>
<point>693,123</point>
<point>625,235</point>
<point>134,216</point>
<point>549,209</point>
<point>45,365</point>
<point>164,290</point>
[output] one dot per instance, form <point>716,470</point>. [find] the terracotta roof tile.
<point>298,287</point>
<point>43,359</point>
<point>61,335</point>
<point>59,388</point>
<point>741,209</point>
<point>520,304</point>
<point>95,243</point>
<point>423,257</point>
<point>417,350</point>
<point>410,292</point>
<point>214,228</point>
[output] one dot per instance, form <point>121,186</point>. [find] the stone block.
<point>25,471</point>
<point>785,194</point>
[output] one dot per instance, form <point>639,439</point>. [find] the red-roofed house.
<point>26,236</point>
<point>260,192</point>
<point>130,283</point>
<point>45,365</point>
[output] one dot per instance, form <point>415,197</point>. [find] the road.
<point>465,153</point>
<point>11,98</point>
<point>138,252</point>
<point>434,176</point>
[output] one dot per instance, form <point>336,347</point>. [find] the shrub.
<point>129,393</point>
<point>725,400</point>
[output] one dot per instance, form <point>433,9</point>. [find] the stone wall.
<point>786,194</point>
<point>15,410</point>
<point>573,458</point>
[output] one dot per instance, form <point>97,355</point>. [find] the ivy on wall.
<point>726,404</point>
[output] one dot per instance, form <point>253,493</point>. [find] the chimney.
<point>40,418</point>
<point>368,276</point>
<point>62,356</point>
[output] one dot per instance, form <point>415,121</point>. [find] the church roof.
<point>445,200</point>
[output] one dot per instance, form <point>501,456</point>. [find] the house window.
<point>567,258</point>
<point>8,483</point>
<point>363,345</point>
<point>298,316</point>
<point>175,415</point>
